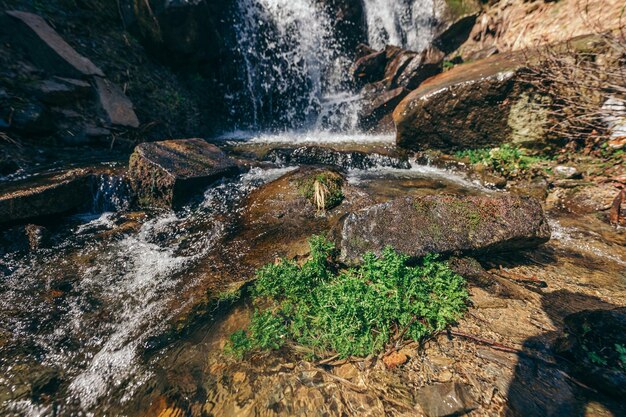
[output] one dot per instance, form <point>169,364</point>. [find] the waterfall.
<point>406,23</point>
<point>295,73</point>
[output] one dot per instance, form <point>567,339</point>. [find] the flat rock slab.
<point>445,224</point>
<point>47,196</point>
<point>117,106</point>
<point>168,173</point>
<point>47,48</point>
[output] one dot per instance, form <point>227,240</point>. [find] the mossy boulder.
<point>445,224</point>
<point>480,104</point>
<point>168,173</point>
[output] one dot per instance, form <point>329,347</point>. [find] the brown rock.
<point>168,173</point>
<point>47,48</point>
<point>445,224</point>
<point>378,103</point>
<point>474,105</point>
<point>46,196</point>
<point>421,67</point>
<point>446,399</point>
<point>117,106</point>
<point>395,359</point>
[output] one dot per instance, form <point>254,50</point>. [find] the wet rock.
<point>481,104</point>
<point>445,224</point>
<point>595,343</point>
<point>396,66</point>
<point>317,155</point>
<point>348,18</point>
<point>116,105</point>
<point>47,48</point>
<point>449,399</point>
<point>41,197</point>
<point>371,67</point>
<point>168,173</point>
<point>377,103</point>
<point>566,172</point>
<point>422,66</point>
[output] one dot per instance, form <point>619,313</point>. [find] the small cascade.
<point>295,71</point>
<point>111,194</point>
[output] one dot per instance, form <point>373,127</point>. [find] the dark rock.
<point>456,33</point>
<point>168,173</point>
<point>396,66</point>
<point>316,155</point>
<point>183,32</point>
<point>62,91</point>
<point>47,196</point>
<point>370,68</point>
<point>590,342</point>
<point>47,48</point>
<point>445,224</point>
<point>363,50</point>
<point>117,106</point>
<point>474,105</point>
<point>449,399</point>
<point>33,118</point>
<point>377,102</point>
<point>424,65</point>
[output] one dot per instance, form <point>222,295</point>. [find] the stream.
<point>116,314</point>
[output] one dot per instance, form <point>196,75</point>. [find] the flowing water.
<point>84,319</point>
<point>296,72</point>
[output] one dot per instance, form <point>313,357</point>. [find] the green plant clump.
<point>351,312</point>
<point>506,159</point>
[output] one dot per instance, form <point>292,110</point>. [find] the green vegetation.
<point>323,190</point>
<point>506,159</point>
<point>621,352</point>
<point>357,311</point>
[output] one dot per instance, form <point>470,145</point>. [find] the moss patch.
<point>323,190</point>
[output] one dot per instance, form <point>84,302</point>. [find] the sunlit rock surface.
<point>168,173</point>
<point>445,224</point>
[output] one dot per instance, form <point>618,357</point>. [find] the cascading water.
<point>406,23</point>
<point>294,68</point>
<point>296,72</point>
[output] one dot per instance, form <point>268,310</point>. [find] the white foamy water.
<point>307,138</point>
<point>295,72</point>
<point>416,171</point>
<point>405,23</point>
<point>121,292</point>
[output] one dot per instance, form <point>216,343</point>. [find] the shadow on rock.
<point>585,376</point>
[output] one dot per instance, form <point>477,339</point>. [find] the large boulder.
<point>445,224</point>
<point>168,173</point>
<point>46,47</point>
<point>481,104</point>
<point>46,196</point>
